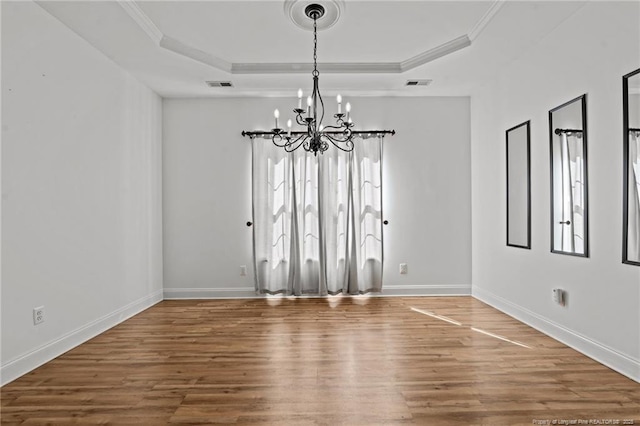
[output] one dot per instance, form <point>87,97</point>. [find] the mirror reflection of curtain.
<point>633,237</point>
<point>572,194</point>
<point>317,219</point>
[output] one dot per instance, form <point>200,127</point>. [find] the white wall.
<point>81,206</point>
<point>589,53</point>
<point>207,192</point>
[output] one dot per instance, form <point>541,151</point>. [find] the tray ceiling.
<point>375,47</point>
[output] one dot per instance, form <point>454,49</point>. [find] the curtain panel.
<point>317,219</point>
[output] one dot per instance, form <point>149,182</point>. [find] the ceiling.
<point>174,47</point>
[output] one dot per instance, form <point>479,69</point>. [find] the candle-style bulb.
<point>289,124</point>
<point>276,113</point>
<point>339,99</point>
<point>348,107</point>
<point>299,93</point>
<point>309,100</point>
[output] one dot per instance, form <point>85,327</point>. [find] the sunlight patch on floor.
<point>454,322</point>
<point>500,337</point>
<point>440,317</point>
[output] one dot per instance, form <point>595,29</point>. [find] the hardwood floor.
<point>353,361</point>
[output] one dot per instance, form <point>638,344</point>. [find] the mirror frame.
<point>583,103</point>
<point>625,168</point>
<point>528,151</point>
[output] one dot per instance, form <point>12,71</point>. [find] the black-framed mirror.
<point>569,183</point>
<point>631,168</point>
<point>519,186</point>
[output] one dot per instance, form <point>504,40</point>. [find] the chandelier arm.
<point>278,137</point>
<point>290,147</point>
<point>322,106</point>
<point>345,145</point>
<point>343,136</point>
<point>340,141</point>
<point>290,142</point>
<point>312,124</point>
<point>339,137</point>
<point>340,129</point>
<point>300,119</point>
<point>348,144</point>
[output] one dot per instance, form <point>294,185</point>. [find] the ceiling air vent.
<point>219,84</point>
<point>418,82</point>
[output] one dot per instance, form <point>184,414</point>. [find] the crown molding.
<point>486,18</point>
<point>160,39</point>
<point>143,21</point>
<point>327,68</point>
<point>435,53</point>
<point>180,48</point>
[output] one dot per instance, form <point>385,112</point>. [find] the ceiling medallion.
<point>295,11</point>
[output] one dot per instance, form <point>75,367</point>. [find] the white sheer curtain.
<point>317,219</point>
<point>633,236</point>
<point>569,219</point>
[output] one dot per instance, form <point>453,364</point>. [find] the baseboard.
<point>45,353</point>
<point>427,290</point>
<point>250,293</point>
<point>211,293</point>
<point>599,352</point>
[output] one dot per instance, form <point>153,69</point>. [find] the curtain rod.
<point>558,131</point>
<point>634,130</point>
<point>300,133</point>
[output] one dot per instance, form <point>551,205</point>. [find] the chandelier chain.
<point>315,47</point>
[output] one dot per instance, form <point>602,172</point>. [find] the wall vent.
<point>219,84</point>
<point>418,82</point>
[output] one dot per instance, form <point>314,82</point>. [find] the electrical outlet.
<point>243,270</point>
<point>403,268</point>
<point>559,296</point>
<point>38,315</point>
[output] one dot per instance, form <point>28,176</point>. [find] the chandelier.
<point>316,137</point>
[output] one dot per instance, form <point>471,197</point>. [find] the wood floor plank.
<point>335,361</point>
